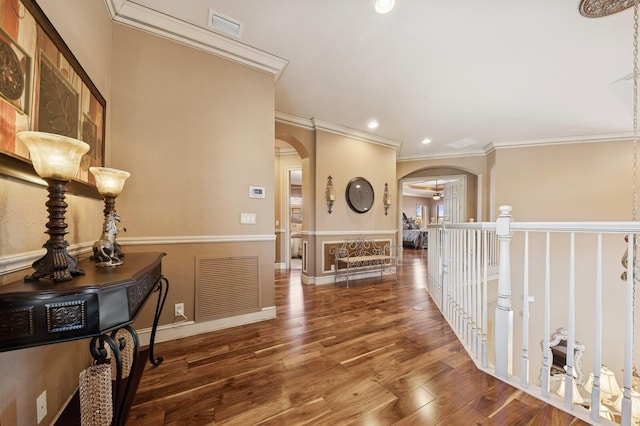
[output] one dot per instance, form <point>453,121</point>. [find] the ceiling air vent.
<point>463,143</point>
<point>224,24</point>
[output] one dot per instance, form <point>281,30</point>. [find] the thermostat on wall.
<point>256,192</point>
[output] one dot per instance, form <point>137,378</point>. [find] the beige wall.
<point>195,132</point>
<point>344,158</point>
<point>570,182</point>
<point>86,28</point>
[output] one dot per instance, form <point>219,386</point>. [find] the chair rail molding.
<point>20,261</point>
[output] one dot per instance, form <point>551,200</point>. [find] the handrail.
<point>464,259</point>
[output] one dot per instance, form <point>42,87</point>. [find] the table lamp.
<point>56,159</point>
<point>110,183</point>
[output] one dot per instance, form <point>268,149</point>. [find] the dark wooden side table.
<point>96,306</point>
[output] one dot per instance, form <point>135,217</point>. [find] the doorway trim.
<point>287,231</point>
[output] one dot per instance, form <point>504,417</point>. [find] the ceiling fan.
<point>437,195</point>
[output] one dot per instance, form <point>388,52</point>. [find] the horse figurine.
<point>106,250</point>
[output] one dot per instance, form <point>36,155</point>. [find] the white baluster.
<point>597,351</point>
<point>546,350</point>
<point>568,397</point>
<point>628,335</point>
<point>485,279</point>
<point>504,313</point>
<point>524,373</point>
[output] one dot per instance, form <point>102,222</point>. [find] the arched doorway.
<point>290,202</point>
<point>459,184</point>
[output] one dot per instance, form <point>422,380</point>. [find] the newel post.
<point>504,313</point>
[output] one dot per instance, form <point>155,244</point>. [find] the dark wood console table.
<point>95,305</point>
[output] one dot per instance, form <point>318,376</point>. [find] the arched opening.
<point>435,195</point>
<point>289,201</point>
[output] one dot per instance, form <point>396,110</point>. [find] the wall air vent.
<point>224,24</point>
<point>226,287</point>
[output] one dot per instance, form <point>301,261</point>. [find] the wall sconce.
<point>110,183</point>
<point>330,194</point>
<point>56,159</point>
<point>386,199</point>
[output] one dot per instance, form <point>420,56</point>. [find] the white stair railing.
<point>574,269</point>
<point>462,260</point>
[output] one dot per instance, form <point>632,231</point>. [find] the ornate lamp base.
<point>57,264</point>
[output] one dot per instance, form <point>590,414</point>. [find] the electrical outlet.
<point>41,406</point>
<point>179,309</point>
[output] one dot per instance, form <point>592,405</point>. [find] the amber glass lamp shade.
<point>56,159</point>
<point>109,181</point>
<point>53,156</point>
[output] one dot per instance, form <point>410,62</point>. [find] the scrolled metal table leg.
<point>124,399</point>
<point>162,297</point>
<point>101,355</point>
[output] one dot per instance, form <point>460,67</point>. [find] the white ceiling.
<point>483,72</point>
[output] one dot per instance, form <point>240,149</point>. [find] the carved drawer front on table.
<point>41,312</point>
<point>95,305</point>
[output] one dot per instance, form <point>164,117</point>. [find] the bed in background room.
<point>412,234</point>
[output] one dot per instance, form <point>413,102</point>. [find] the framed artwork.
<point>44,88</point>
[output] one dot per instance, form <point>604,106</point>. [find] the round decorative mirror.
<point>359,195</point>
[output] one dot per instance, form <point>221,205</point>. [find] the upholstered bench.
<point>362,256</point>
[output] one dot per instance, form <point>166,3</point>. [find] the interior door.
<point>455,200</point>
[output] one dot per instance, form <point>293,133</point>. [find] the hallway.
<point>377,353</point>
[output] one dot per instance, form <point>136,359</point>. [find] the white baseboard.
<point>168,332</point>
<point>280,266</point>
<point>342,279</point>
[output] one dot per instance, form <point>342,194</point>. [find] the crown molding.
<point>134,15</point>
<point>354,134</point>
<point>294,120</point>
<point>611,137</point>
<point>448,154</point>
<point>493,146</point>
<point>315,124</point>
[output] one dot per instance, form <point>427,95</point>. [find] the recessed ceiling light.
<point>373,124</point>
<point>426,141</point>
<point>384,6</point>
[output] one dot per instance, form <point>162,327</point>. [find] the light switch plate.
<point>248,218</point>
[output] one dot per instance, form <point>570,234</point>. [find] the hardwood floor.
<point>376,353</point>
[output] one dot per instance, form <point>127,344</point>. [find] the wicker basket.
<point>126,355</point>
<point>96,402</point>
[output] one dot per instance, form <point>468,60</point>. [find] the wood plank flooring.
<point>376,353</point>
